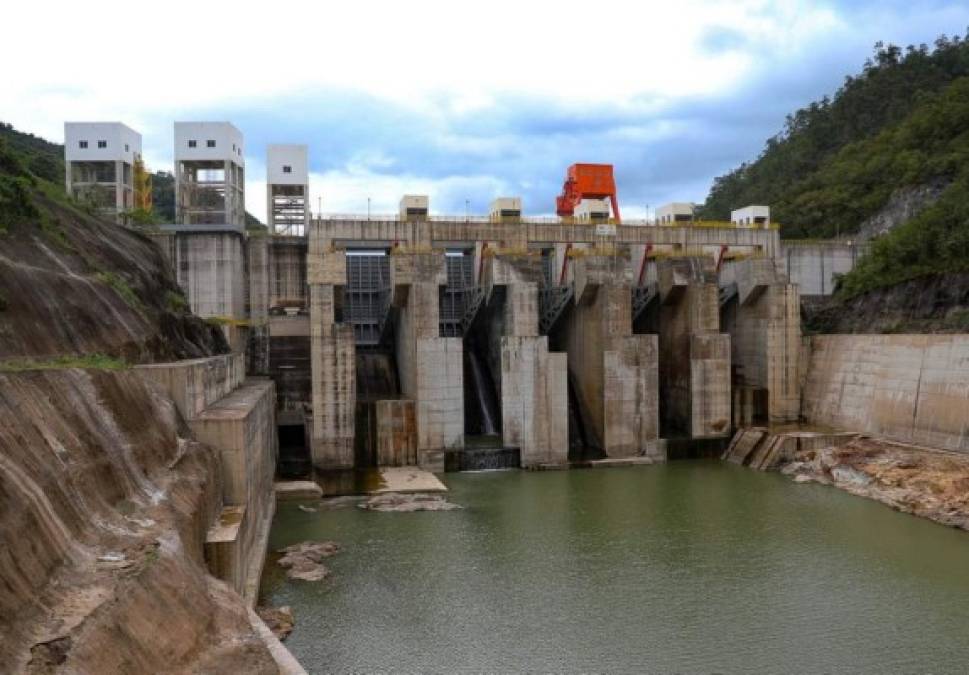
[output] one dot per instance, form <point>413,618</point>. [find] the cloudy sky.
<point>462,101</point>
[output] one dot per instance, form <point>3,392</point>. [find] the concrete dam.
<point>655,332</point>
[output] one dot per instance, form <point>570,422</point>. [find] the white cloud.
<point>148,65</point>
<point>109,59</point>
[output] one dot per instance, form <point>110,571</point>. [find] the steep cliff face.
<point>104,502</point>
<point>903,205</point>
<point>74,284</point>
<point>931,304</point>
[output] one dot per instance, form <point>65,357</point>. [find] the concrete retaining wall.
<point>210,268</point>
<point>242,426</point>
<point>913,388</point>
<point>196,384</point>
<point>813,266</point>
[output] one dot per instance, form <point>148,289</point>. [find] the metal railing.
<point>533,220</point>
<point>552,301</point>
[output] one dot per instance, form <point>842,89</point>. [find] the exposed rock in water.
<point>334,503</point>
<point>406,503</point>
<point>933,484</point>
<point>279,620</point>
<point>104,505</point>
<point>305,560</point>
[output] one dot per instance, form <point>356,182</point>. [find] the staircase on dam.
<point>553,301</point>
<point>235,415</point>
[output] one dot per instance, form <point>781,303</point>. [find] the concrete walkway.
<point>408,479</point>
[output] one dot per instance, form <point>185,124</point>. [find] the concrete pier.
<point>532,381</point>
<point>615,371</point>
<point>764,321</point>
<point>430,366</point>
<point>694,355</point>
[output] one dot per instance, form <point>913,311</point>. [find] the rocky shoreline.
<point>929,483</point>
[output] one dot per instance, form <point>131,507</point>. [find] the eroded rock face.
<point>304,561</point>
<point>104,505</point>
<point>406,503</point>
<point>94,287</point>
<point>927,483</point>
<point>935,303</point>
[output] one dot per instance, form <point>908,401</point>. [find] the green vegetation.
<point>90,361</point>
<point>16,188</point>
<point>176,302</point>
<point>41,158</point>
<point>902,123</point>
<point>163,196</point>
<point>121,288</point>
<point>936,241</point>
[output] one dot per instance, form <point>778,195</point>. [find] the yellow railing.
<point>541,220</point>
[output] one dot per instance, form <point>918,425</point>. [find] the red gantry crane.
<point>587,181</point>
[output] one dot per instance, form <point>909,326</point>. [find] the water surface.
<point>689,567</point>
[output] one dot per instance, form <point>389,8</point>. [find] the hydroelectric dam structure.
<point>599,340</point>
<point>460,342</point>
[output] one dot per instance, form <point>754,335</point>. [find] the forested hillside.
<point>46,160</point>
<point>902,124</point>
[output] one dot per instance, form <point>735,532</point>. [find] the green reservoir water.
<point>685,567</point>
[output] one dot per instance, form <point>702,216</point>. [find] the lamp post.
<point>368,208</point>
<point>467,210</point>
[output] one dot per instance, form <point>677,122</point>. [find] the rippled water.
<point>687,567</point>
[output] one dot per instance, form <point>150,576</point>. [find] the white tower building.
<point>210,181</point>
<point>287,190</point>
<point>99,159</point>
<point>751,216</point>
<point>675,213</point>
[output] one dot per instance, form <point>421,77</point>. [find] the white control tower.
<point>210,181</point>
<point>99,158</point>
<point>287,190</point>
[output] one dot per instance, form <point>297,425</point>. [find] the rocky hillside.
<point>937,303</point>
<point>72,284</point>
<point>886,157</point>
<point>105,498</point>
